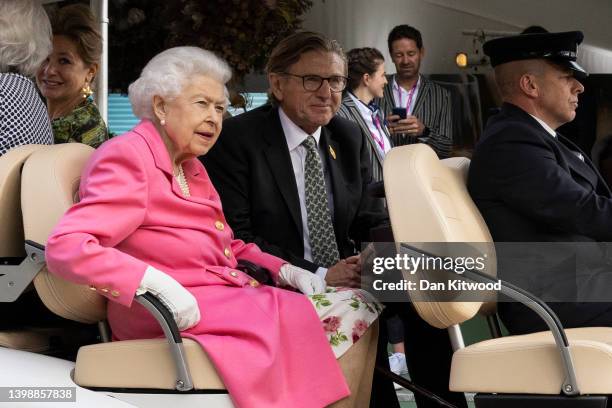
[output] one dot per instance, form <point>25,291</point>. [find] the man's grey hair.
<point>169,72</point>
<point>25,36</point>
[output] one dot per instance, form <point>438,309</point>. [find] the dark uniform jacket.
<point>533,187</point>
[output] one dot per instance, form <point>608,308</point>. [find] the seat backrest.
<point>428,202</point>
<point>49,187</point>
<point>11,225</point>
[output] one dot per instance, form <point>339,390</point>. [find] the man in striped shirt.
<point>427,105</point>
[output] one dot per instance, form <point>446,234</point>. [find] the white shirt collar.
<point>547,128</point>
<point>293,133</point>
<point>396,86</point>
<point>363,109</point>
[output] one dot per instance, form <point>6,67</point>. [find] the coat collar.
<point>279,161</point>
<point>149,133</point>
<point>338,185</point>
<point>348,101</point>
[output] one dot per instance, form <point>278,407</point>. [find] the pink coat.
<point>268,344</point>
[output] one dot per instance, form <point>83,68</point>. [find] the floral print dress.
<point>346,314</point>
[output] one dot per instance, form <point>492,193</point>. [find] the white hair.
<point>169,71</point>
<point>25,36</point>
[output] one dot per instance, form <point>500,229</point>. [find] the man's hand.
<point>354,260</point>
<point>410,126</point>
<point>345,273</point>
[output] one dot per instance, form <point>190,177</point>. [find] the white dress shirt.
<point>402,95</point>
<point>295,136</point>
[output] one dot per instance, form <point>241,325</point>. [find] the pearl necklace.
<point>182,182</point>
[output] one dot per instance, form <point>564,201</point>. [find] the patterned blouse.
<point>83,125</point>
<point>23,115</point>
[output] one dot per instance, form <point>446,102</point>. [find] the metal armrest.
<point>173,335</point>
<point>570,386</point>
<point>14,279</point>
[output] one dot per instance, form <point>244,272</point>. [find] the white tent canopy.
<point>366,23</point>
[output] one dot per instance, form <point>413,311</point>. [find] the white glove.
<point>307,282</point>
<point>173,295</point>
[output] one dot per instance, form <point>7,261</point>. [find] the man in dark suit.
<point>260,167</point>
<point>533,185</point>
<point>259,164</point>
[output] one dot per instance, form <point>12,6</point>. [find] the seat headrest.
<point>50,182</point>
<point>11,225</point>
<point>428,203</point>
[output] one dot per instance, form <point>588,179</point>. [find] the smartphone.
<point>401,112</point>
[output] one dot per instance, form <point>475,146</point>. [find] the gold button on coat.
<point>254,283</point>
<point>104,290</point>
<point>219,225</point>
<point>115,293</point>
<point>227,252</point>
<point>234,274</point>
<point>91,287</point>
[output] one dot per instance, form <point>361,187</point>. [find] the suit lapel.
<point>333,161</point>
<point>279,161</point>
<point>423,90</point>
<point>585,168</point>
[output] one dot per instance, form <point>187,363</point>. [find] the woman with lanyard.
<point>366,72</point>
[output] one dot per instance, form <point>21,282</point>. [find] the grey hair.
<point>169,71</point>
<point>25,36</point>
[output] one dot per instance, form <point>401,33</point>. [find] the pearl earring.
<point>163,122</point>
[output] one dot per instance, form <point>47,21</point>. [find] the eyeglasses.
<point>312,83</point>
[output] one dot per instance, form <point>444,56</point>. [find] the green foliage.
<point>241,31</point>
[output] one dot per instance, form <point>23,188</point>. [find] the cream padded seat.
<point>530,364</point>
<point>49,187</point>
<point>142,364</point>
<point>428,202</point>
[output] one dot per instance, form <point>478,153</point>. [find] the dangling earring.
<point>86,91</point>
<point>162,122</point>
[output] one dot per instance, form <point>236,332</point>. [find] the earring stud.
<point>163,122</point>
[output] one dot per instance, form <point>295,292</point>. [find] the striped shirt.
<point>433,108</point>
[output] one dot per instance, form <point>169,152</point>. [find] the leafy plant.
<point>243,32</point>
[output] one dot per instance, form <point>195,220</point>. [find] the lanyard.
<point>410,95</point>
<point>378,137</point>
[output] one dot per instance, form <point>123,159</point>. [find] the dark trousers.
<point>428,356</point>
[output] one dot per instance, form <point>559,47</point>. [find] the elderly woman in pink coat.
<point>149,220</point>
